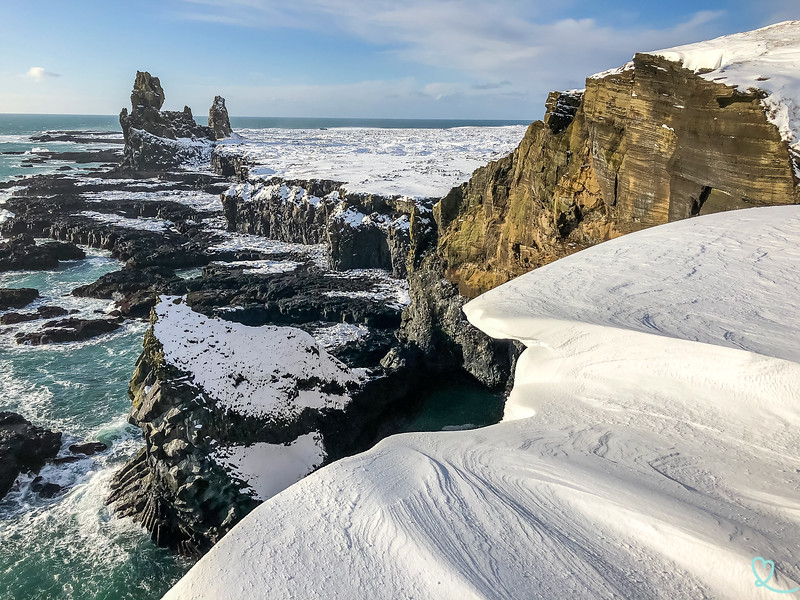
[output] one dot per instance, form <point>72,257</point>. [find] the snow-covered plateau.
<point>648,450</point>
<point>423,163</point>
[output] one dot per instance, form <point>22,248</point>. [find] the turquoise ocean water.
<point>70,546</point>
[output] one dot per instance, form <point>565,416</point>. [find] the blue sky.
<point>340,58</point>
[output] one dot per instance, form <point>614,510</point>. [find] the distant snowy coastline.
<point>421,163</point>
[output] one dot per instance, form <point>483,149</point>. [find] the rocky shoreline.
<point>372,286</point>
<point>261,254</point>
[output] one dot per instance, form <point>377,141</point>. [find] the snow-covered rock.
<point>231,415</point>
<point>648,451</point>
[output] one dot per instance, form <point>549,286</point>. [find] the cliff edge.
<point>673,134</point>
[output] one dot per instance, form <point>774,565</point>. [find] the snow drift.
<point>649,448</point>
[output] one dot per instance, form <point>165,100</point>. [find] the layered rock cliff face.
<point>643,145</point>
<point>156,139</point>
<point>361,230</point>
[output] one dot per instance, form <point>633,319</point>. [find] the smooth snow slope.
<point>650,463</point>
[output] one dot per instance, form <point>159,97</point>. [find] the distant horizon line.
<point>287,117</point>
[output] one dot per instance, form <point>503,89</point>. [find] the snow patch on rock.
<point>268,469</point>
<point>255,371</point>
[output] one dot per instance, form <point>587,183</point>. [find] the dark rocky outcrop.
<point>218,119</point>
<point>174,486</point>
<point>23,447</point>
<point>23,253</point>
<point>45,489</point>
<point>43,312</point>
<point>135,290</point>
<point>361,230</point>
<point>68,330</point>
<point>17,298</point>
<point>155,139</point>
<point>88,448</point>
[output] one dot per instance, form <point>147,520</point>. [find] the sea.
<point>71,546</point>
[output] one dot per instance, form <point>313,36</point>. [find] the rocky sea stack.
<point>157,140</point>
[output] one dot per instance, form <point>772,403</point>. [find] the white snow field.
<point>253,371</point>
<point>420,163</point>
<point>649,447</point>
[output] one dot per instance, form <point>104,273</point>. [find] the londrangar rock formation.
<point>156,139</point>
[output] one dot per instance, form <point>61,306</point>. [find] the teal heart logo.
<point>761,566</point>
<point>765,565</point>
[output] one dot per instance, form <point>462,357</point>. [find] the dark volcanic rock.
<point>362,230</point>
<point>22,252</point>
<point>155,139</point>
<point>95,156</point>
<point>88,448</point>
<point>45,489</point>
<point>17,298</point>
<point>68,330</point>
<point>43,312</point>
<point>23,447</point>
<point>147,91</point>
<point>135,290</point>
<point>218,119</point>
<point>79,137</point>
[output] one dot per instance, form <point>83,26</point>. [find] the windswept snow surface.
<point>254,371</point>
<point>649,448</point>
<point>420,163</point>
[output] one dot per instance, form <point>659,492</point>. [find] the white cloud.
<point>38,73</point>
<point>487,41</point>
<point>512,51</point>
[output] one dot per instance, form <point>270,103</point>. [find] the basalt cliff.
<point>643,145</point>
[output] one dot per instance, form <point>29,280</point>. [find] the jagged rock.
<point>88,448</point>
<point>17,298</point>
<point>361,230</point>
<point>23,447</point>
<point>22,252</point>
<point>45,489</point>
<point>561,108</point>
<point>135,290</point>
<point>147,91</point>
<point>155,139</point>
<point>68,330</point>
<point>218,119</point>
<point>43,312</point>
